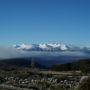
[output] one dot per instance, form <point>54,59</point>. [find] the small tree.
<point>32,63</point>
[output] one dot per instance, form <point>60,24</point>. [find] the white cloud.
<point>9,52</point>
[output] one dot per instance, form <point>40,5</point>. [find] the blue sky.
<point>45,21</point>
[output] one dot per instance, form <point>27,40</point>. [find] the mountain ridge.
<point>52,51</point>
<point>51,47</point>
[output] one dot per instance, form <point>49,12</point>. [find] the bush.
<point>85,84</point>
<point>55,87</point>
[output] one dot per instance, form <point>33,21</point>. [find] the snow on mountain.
<point>41,47</point>
<point>23,46</point>
<point>45,50</point>
<point>44,46</point>
<point>54,45</point>
<point>63,47</point>
<point>51,47</point>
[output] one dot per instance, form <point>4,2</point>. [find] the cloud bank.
<point>43,50</point>
<point>9,52</point>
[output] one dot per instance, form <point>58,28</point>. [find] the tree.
<point>32,63</point>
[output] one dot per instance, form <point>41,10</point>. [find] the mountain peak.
<point>40,47</point>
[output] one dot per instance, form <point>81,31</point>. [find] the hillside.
<point>83,65</point>
<point>13,64</point>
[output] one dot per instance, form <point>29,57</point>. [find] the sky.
<point>45,21</point>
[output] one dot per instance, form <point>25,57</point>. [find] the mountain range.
<point>51,47</point>
<point>46,54</point>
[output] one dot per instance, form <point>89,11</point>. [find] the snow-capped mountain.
<point>42,47</point>
<point>51,47</point>
<point>50,53</point>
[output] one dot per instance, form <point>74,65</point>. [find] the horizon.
<point>42,43</point>
<point>44,21</point>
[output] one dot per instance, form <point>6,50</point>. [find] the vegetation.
<point>29,74</point>
<point>82,65</point>
<point>85,84</point>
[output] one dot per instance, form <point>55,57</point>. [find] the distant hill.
<point>83,65</point>
<point>46,61</point>
<point>11,64</point>
<point>42,63</point>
